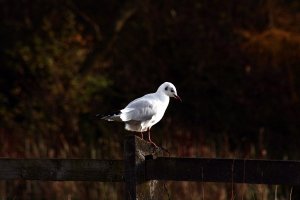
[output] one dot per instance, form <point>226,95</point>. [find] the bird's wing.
<point>141,109</point>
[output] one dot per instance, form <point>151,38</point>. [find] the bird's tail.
<point>113,116</point>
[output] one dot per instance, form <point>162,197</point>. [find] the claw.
<point>151,142</point>
<point>155,145</point>
<point>149,139</point>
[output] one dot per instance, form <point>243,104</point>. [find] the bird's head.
<point>169,89</point>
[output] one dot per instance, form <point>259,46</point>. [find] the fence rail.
<point>272,172</point>
<point>143,168</point>
<point>162,168</point>
<point>62,169</point>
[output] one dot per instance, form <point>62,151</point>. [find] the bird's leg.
<point>142,136</point>
<point>149,139</point>
<point>151,142</point>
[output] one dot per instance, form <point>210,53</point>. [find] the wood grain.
<point>62,169</point>
<point>224,170</point>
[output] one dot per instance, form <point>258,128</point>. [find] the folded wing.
<point>138,110</point>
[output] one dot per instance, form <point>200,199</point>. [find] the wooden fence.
<point>143,170</point>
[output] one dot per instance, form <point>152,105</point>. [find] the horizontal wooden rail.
<point>224,170</point>
<point>162,168</point>
<point>62,169</point>
<point>142,174</point>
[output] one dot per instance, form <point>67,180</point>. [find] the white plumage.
<point>144,112</point>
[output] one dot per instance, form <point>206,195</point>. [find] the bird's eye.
<point>172,90</point>
<point>166,88</point>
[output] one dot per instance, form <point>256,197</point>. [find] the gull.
<point>144,112</point>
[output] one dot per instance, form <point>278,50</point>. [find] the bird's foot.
<point>151,142</point>
<point>159,147</point>
<point>165,150</point>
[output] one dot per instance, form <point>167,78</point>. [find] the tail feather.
<point>113,116</point>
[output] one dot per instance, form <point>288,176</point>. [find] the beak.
<point>177,97</point>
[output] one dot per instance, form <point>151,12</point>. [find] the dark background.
<point>235,65</point>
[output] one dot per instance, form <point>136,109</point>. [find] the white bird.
<point>144,112</point>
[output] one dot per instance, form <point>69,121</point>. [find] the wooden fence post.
<point>136,151</point>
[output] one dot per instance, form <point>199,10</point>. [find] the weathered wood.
<point>136,151</point>
<point>224,170</point>
<point>143,174</point>
<point>62,169</point>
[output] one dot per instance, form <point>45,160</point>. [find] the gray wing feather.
<point>140,110</point>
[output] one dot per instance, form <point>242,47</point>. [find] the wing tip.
<point>109,116</point>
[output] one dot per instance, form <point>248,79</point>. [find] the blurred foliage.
<point>235,64</point>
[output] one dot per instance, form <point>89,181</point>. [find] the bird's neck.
<point>162,96</point>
